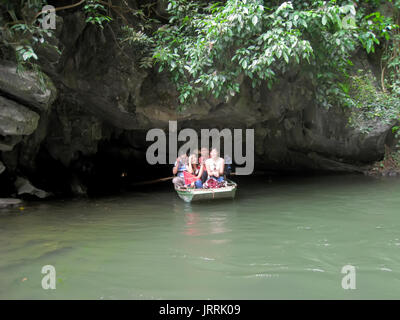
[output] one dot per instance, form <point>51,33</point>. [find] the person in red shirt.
<point>195,171</point>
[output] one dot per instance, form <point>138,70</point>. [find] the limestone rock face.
<point>98,102</point>
<point>291,131</point>
<point>25,87</point>
<point>24,187</point>
<point>72,132</point>
<point>15,119</point>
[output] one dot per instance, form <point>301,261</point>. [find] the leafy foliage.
<point>96,13</point>
<point>140,43</point>
<point>369,103</point>
<point>207,47</point>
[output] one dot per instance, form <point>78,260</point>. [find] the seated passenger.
<point>179,167</point>
<point>204,155</point>
<point>228,165</point>
<point>215,166</point>
<point>196,170</point>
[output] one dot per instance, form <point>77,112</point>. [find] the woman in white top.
<point>215,166</point>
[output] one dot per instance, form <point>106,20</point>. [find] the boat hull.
<point>194,195</point>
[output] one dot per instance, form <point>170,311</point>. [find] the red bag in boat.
<point>213,183</point>
<point>189,178</point>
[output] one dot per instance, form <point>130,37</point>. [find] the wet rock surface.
<point>25,87</point>
<point>24,187</point>
<point>15,119</point>
<point>2,167</point>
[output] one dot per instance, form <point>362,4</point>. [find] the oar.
<point>141,183</point>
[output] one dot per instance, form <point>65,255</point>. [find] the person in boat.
<point>204,155</point>
<point>193,163</point>
<point>195,171</point>
<point>181,165</point>
<point>228,165</point>
<point>215,166</point>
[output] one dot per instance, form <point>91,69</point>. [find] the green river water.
<point>282,239</point>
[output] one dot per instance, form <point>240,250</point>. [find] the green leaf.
<point>285,57</point>
<point>254,20</point>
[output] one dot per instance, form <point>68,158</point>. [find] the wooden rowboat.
<point>190,194</point>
